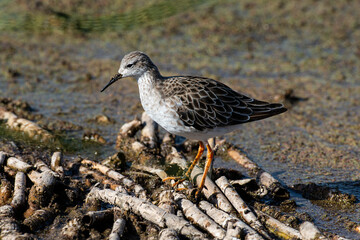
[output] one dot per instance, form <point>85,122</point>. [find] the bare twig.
<point>117,229</point>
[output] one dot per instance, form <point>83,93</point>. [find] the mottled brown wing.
<point>204,103</point>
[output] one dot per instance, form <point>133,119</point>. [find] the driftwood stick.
<point>9,229</point>
<point>117,229</point>
<point>168,234</point>
<point>240,206</point>
<point>19,199</point>
<point>129,129</point>
<point>264,178</point>
<point>198,217</point>
<point>24,125</point>
<point>138,189</point>
<point>149,132</point>
<point>232,232</point>
<point>39,219</point>
<point>278,228</point>
<point>309,231</point>
<point>18,165</point>
<point>145,209</point>
<point>224,219</point>
<point>93,218</point>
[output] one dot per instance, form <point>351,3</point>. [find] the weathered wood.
<point>40,219</point>
<point>168,234</point>
<point>9,229</point>
<point>129,183</point>
<point>94,218</point>
<point>129,129</point>
<point>240,206</point>
<point>145,209</point>
<point>117,229</point>
<point>42,190</point>
<point>18,164</point>
<point>57,162</point>
<point>19,200</point>
<point>199,218</point>
<point>272,185</point>
<point>20,124</point>
<point>278,228</point>
<point>159,172</point>
<point>224,219</point>
<point>309,231</point>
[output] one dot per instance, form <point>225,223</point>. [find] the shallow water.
<point>263,54</point>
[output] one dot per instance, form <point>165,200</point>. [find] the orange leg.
<point>209,158</point>
<point>188,172</point>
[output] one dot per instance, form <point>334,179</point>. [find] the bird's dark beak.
<point>113,79</point>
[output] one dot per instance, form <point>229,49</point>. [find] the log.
<point>224,219</point>
<point>149,132</point>
<point>42,190</point>
<point>40,219</point>
<point>117,229</point>
<point>198,217</point>
<point>240,206</point>
<point>272,185</point>
<point>129,183</point>
<point>19,200</point>
<point>94,218</point>
<point>20,124</point>
<point>98,177</point>
<point>146,210</point>
<point>129,129</point>
<point>168,234</point>
<point>17,164</point>
<point>9,229</point>
<point>309,231</point>
<point>278,228</point>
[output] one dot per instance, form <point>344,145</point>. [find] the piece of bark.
<point>278,228</point>
<point>198,217</point>
<point>20,124</point>
<point>94,218</point>
<point>145,209</point>
<point>129,183</point>
<point>233,232</point>
<point>19,200</point>
<point>9,229</point>
<point>129,129</point>
<point>117,229</point>
<point>149,132</point>
<point>18,165</point>
<point>273,186</point>
<point>40,219</point>
<point>309,231</point>
<point>168,234</point>
<point>224,219</point>
<point>240,206</point>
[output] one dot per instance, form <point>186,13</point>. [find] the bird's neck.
<point>150,77</point>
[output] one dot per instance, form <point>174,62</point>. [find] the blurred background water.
<point>57,55</point>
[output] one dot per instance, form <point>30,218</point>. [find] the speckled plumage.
<point>193,107</point>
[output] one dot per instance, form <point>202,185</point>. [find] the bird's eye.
<point>129,65</point>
